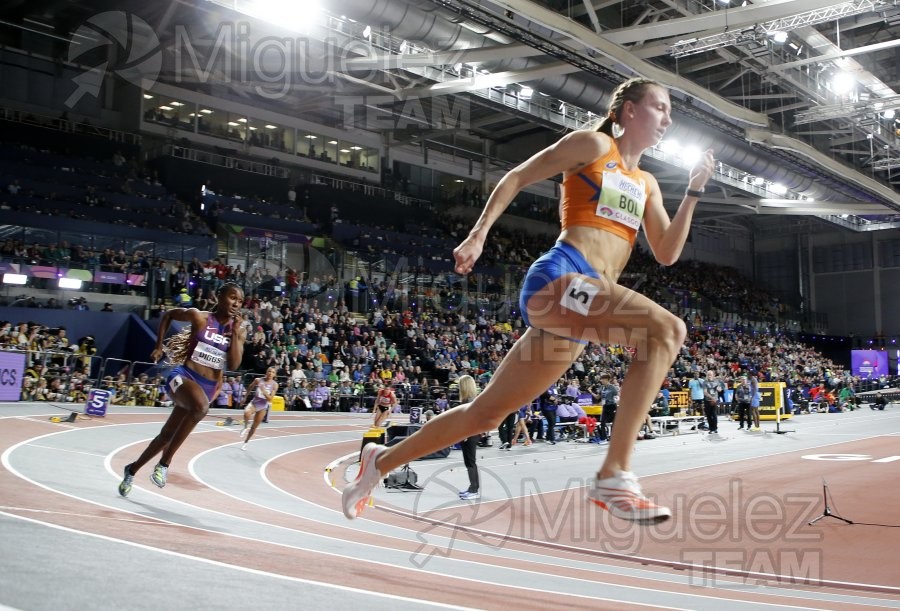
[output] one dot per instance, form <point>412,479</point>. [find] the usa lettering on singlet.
<point>622,200</point>
<point>210,348</point>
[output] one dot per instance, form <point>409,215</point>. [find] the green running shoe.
<point>125,485</point>
<point>159,475</point>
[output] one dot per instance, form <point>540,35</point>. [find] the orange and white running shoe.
<point>357,494</point>
<point>621,496</point>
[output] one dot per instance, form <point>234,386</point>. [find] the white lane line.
<point>530,576</point>
<point>267,574</point>
<point>83,516</point>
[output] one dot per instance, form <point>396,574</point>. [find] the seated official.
<point>568,412</point>
<point>660,406</point>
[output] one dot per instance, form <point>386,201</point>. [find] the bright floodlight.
<point>670,147</point>
<point>526,92</point>
<point>843,82</point>
<point>287,13</point>
<point>778,189</point>
<point>778,36</point>
<point>14,278</point>
<point>888,114</point>
<point>691,155</point>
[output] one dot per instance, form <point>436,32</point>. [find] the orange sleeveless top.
<point>606,196</point>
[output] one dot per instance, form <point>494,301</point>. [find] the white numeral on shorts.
<point>579,295</point>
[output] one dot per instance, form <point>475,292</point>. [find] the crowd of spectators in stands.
<point>331,358</point>
<point>416,335</point>
<point>418,340</point>
<point>424,237</point>
<point>117,191</point>
<point>687,286</point>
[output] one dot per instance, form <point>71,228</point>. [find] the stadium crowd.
<point>417,328</point>
<point>331,358</point>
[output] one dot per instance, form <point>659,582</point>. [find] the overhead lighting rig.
<point>847,110</point>
<point>759,32</point>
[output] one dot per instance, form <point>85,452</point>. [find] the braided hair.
<point>178,346</point>
<point>221,291</point>
<point>632,90</point>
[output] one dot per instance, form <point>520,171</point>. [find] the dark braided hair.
<point>176,347</point>
<point>221,291</point>
<point>632,90</point>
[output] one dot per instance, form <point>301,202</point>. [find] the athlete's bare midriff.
<point>607,253</point>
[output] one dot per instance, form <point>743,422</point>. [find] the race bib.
<point>209,356</point>
<point>176,383</point>
<point>579,295</point>
<point>621,200</point>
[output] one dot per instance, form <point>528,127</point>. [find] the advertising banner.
<point>869,363</point>
<point>12,368</point>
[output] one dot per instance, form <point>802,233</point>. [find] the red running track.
<point>747,542</point>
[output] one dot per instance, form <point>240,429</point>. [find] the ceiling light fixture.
<point>691,155</point>
<point>843,82</point>
<point>670,147</point>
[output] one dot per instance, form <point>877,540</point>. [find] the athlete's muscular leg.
<point>535,362</point>
<point>193,404</point>
<point>597,310</point>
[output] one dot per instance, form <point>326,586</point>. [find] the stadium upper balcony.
<point>37,128</point>
<point>26,163</point>
<point>253,133</point>
<point>363,204</point>
<point>155,214</point>
<point>67,178</point>
<point>258,213</point>
<point>43,187</point>
<point>404,251</point>
<point>365,239</point>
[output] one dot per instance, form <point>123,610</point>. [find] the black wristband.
<point>692,193</point>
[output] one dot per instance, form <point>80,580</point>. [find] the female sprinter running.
<point>203,350</point>
<point>571,294</point>
<point>261,391</point>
